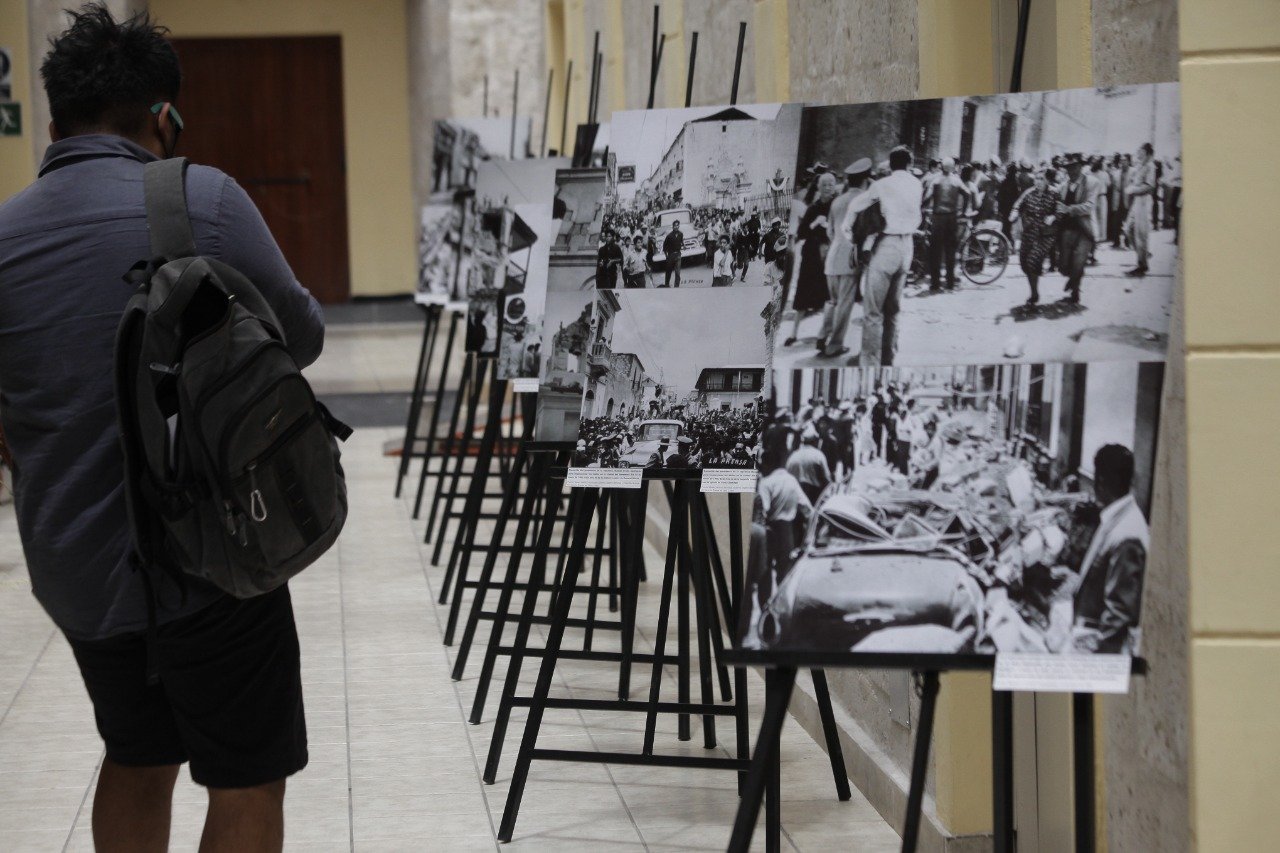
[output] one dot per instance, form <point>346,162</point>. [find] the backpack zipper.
<point>257,503</point>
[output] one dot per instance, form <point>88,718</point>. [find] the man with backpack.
<point>177,669</point>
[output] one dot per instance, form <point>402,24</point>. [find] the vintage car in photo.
<point>895,571</point>
<point>695,248</point>
<point>651,437</point>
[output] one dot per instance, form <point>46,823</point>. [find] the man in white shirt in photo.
<point>899,195</point>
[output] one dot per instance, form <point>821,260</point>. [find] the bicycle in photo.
<point>982,251</point>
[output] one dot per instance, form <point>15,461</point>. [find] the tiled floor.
<point>394,764</point>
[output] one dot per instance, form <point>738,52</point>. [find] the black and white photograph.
<point>447,221</point>
<point>578,207</point>
<point>703,196</point>
<point>1028,227</point>
<point>968,509</point>
<point>577,214</point>
<point>562,375</point>
<point>506,290</point>
<point>674,379</point>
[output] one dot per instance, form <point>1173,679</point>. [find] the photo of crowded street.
<point>703,196</point>
<point>674,379</point>
<point>959,509</point>
<point>1029,227</point>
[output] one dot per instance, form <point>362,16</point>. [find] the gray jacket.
<point>65,243</point>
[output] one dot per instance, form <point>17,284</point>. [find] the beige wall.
<point>375,104</point>
<point>1230,70</point>
<point>16,166</point>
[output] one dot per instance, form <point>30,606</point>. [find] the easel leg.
<point>738,599</point>
<point>631,565</point>
<point>462,395</point>
<point>602,529</point>
<point>705,625</point>
<point>683,728</point>
<point>537,579</point>
<point>778,685</point>
<point>1082,747</point>
<point>615,532</point>
<point>475,501</point>
<point>678,517</point>
<point>1002,770</point>
<point>832,734</point>
<point>420,378</point>
<point>464,542</point>
<point>435,420</point>
<point>537,475</point>
<point>464,448</point>
<point>919,761</point>
<point>555,636</point>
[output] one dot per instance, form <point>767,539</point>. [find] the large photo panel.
<point>1029,227</point>
<point>703,195</point>
<point>505,279</point>
<point>446,226</point>
<point>674,379</point>
<point>959,510</point>
<point>573,264</point>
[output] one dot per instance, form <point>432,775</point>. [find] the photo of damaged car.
<point>897,569</point>
<point>961,568</point>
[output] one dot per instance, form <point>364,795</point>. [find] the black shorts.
<point>229,699</point>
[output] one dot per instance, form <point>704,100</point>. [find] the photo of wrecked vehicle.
<point>953,510</point>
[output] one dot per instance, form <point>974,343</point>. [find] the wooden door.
<point>268,112</point>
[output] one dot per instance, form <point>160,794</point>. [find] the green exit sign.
<point>10,119</point>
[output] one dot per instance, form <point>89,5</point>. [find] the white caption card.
<point>604,478</point>
<point>430,298</point>
<point>724,480</point>
<point>1063,673</point>
<point>456,307</point>
<point>525,385</point>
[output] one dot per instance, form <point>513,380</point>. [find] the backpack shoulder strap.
<point>165,191</point>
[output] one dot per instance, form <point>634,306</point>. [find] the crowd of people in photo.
<point>1068,580</point>
<point>724,438</point>
<point>639,250</point>
<point>861,229</point>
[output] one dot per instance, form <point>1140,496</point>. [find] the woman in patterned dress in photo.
<point>1036,209</point>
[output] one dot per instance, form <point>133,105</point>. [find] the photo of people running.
<point>703,196</point>
<point>1030,227</point>
<point>960,509</point>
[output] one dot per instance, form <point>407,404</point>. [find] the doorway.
<point>268,112</point>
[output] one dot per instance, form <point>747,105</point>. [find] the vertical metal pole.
<point>546,112</point>
<point>653,72</point>
<point>515,107</point>
<point>1002,770</point>
<point>778,684</point>
<point>693,61</point>
<point>920,762</point>
<point>485,110</point>
<point>1082,747</point>
<point>653,54</point>
<point>595,78</point>
<point>564,115</point>
<point>1020,46</point>
<point>737,61</point>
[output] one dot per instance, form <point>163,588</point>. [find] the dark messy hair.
<point>103,74</point>
<point>900,158</point>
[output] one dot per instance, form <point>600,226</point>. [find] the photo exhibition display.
<point>958,451</point>
<point>448,229</point>
<point>937,328</point>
